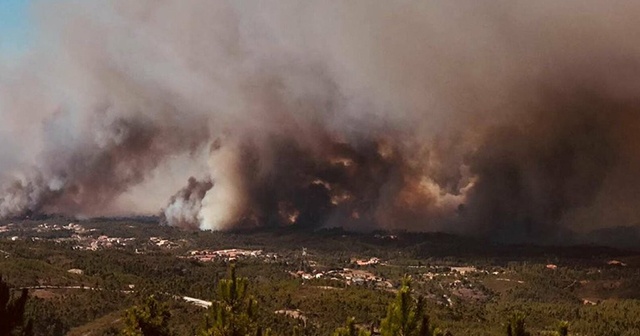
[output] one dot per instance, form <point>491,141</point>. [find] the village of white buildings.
<point>456,281</point>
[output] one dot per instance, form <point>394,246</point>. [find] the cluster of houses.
<point>162,243</point>
<point>452,271</point>
<point>105,242</point>
<point>365,262</point>
<point>46,227</point>
<point>230,255</point>
<point>346,275</point>
<point>85,239</point>
<point>102,242</point>
<point>7,228</point>
<point>77,228</point>
<point>81,237</point>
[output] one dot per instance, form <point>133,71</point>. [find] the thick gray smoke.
<point>510,118</point>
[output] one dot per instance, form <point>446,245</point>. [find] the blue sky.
<point>14,26</point>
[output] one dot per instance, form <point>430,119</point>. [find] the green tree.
<point>516,327</point>
<point>563,329</point>
<point>12,320</point>
<point>234,313</point>
<point>406,316</point>
<point>150,319</point>
<point>350,329</point>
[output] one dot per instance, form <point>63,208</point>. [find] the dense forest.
<point>235,312</point>
<point>307,283</point>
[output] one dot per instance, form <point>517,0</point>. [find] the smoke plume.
<point>517,119</point>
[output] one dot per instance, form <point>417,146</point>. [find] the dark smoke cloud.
<point>558,163</point>
<point>514,119</point>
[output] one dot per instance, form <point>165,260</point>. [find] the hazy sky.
<point>14,26</point>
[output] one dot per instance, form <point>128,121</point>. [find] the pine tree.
<point>12,320</point>
<point>563,329</point>
<point>516,327</point>
<point>406,315</point>
<point>150,319</point>
<point>350,329</point>
<point>235,311</point>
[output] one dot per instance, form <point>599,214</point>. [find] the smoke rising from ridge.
<point>509,118</point>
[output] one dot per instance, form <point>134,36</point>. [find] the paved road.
<point>192,300</point>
